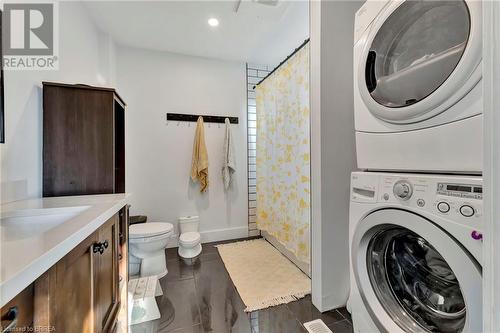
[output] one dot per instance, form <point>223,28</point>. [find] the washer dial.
<point>402,190</point>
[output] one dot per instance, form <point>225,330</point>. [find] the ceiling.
<point>250,30</point>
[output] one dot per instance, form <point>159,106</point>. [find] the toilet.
<point>189,239</point>
<point>147,243</point>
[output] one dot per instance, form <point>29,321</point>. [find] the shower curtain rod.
<point>281,63</point>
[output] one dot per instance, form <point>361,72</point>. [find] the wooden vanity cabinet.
<point>19,312</point>
<point>80,293</point>
<point>64,295</point>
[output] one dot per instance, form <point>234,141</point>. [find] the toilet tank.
<point>189,223</point>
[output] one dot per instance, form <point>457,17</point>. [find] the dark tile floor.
<point>199,296</point>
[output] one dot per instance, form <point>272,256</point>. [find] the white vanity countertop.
<point>31,243</point>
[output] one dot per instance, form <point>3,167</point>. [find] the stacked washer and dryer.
<point>416,215</point>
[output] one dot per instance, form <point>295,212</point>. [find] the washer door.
<point>414,277</point>
<point>419,55</point>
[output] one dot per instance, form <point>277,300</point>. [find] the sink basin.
<point>27,223</point>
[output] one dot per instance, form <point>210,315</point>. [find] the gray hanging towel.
<point>228,164</point>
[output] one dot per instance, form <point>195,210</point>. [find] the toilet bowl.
<point>189,239</point>
<point>147,243</point>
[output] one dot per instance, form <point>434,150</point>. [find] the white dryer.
<point>417,86</point>
<point>415,250</point>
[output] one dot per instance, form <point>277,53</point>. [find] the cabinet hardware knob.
<point>12,316</point>
<point>105,244</point>
<point>97,247</point>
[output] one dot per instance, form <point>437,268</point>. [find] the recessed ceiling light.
<point>213,22</point>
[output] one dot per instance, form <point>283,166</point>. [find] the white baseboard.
<point>215,235</point>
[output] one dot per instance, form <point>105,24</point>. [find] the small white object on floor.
<point>142,302</point>
<point>317,326</point>
<point>190,238</point>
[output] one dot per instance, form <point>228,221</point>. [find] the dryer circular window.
<point>420,57</point>
<point>414,277</point>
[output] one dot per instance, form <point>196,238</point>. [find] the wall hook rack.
<point>206,118</point>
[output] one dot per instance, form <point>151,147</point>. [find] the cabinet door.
<point>123,244</point>
<point>107,279</point>
<point>72,283</point>
<point>80,292</point>
<point>78,141</point>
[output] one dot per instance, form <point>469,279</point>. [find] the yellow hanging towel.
<point>199,167</point>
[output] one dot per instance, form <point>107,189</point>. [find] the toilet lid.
<point>149,229</point>
<point>191,237</point>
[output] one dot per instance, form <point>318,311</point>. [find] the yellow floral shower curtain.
<point>283,155</point>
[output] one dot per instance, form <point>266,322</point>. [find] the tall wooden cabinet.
<point>83,140</point>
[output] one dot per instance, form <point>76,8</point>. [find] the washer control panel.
<point>455,197</point>
<point>453,201</point>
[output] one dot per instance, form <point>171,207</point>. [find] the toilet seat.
<point>150,231</point>
<point>190,238</point>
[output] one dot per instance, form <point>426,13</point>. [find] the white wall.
<point>158,156</point>
<point>86,56</point>
<point>332,148</point>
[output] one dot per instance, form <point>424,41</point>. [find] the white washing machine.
<point>415,245</point>
<point>417,86</point>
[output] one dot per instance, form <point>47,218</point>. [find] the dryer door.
<point>414,277</point>
<point>417,56</point>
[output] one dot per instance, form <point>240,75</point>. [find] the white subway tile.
<point>251,72</point>
<point>253,80</point>
<point>257,66</point>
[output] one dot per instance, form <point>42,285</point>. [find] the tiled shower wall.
<point>255,73</point>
